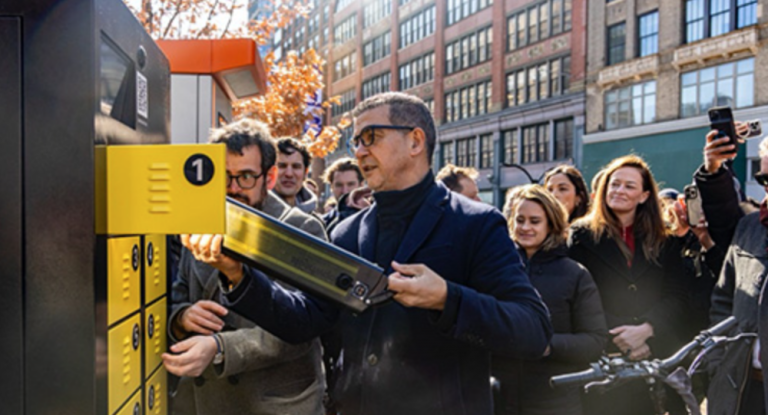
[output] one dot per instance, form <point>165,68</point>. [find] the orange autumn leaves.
<point>291,81</point>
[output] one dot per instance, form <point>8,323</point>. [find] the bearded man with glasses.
<point>460,289</point>
<point>241,369</point>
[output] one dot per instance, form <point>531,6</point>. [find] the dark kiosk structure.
<point>82,315</point>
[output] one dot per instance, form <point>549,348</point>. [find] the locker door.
<point>11,348</point>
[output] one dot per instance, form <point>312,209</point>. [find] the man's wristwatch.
<point>219,357</point>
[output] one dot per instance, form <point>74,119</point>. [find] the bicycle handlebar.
<point>618,369</point>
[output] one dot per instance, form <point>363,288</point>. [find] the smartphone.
<point>721,119</point>
<point>693,208</point>
<point>755,128</point>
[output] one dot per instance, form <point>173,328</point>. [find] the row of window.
<point>417,27</point>
<point>345,30</point>
<point>709,18</point>
<point>377,48</point>
<point>528,144</point>
<point>377,84</point>
<point>345,66</point>
<point>348,101</point>
<point>376,10</point>
<point>461,9</point>
<point>468,102</point>
<point>539,82</point>
<point>647,35</point>
<point>469,50</point>
<point>417,71</point>
<point>538,22</point>
<point>730,84</point>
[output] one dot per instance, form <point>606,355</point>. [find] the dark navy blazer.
<point>399,360</point>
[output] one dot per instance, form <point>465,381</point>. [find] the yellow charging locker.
<point>156,401</point>
<point>155,343</point>
<point>133,406</point>
<point>123,277</point>
<point>160,189</point>
<point>154,267</point>
<point>124,357</point>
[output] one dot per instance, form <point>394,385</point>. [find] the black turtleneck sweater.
<point>395,211</point>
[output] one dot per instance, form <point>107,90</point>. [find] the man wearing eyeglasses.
<point>738,380</point>
<point>460,289</point>
<point>241,369</point>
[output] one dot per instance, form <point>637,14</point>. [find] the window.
<point>376,85</point>
<point>510,144</point>
<point>538,82</point>
<point>616,43</point>
<point>461,153</point>
<point>535,143</point>
<point>461,9</point>
<point>632,105</point>
<point>375,11</point>
<point>345,66</point>
<point>417,26</point>
<point>446,153</point>
<point>468,102</point>
<point>342,4</point>
<point>486,151</point>
<point>347,103</point>
<point>345,30</point>
<point>563,139</point>
<point>708,18</point>
<point>471,152</point>
<point>377,48</point>
<point>417,71</point>
<point>731,84</point>
<point>648,29</point>
<point>469,50</point>
<point>538,22</point>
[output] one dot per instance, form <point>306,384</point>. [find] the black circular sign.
<point>151,326</point>
<point>137,409</point>
<point>198,169</point>
<point>136,337</point>
<point>135,257</point>
<point>151,397</point>
<point>150,254</point>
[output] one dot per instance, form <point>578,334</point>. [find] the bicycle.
<point>610,372</point>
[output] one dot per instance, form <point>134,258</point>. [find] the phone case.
<point>694,210</point>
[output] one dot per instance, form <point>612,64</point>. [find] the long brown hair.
<point>648,226</point>
<point>554,211</point>
<point>577,180</point>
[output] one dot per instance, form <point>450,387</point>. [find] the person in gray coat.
<point>238,367</point>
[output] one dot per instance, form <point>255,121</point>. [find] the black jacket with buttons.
<point>646,291</point>
<point>579,337</point>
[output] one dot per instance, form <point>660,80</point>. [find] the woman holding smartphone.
<point>538,226</point>
<point>638,269</point>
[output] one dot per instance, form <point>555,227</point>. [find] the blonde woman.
<point>538,226</point>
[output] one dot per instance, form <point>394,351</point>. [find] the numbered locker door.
<point>123,277</point>
<point>156,393</point>
<point>133,406</point>
<point>124,361</point>
<point>155,268</point>
<point>155,342</point>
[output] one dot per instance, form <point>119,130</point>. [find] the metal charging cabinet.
<point>91,187</point>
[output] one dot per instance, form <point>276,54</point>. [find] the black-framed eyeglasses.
<point>244,181</point>
<point>368,134</point>
<point>762,179</point>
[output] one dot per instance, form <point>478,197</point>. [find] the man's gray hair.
<point>406,110</point>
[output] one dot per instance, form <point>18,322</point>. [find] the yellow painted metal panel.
<point>124,361</point>
<point>133,406</point>
<point>123,277</point>
<point>160,189</point>
<point>156,390</point>
<point>155,257</point>
<point>155,338</point>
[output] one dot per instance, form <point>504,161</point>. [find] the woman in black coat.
<point>639,272</point>
<point>538,225</point>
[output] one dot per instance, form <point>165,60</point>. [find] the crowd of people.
<point>560,277</point>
